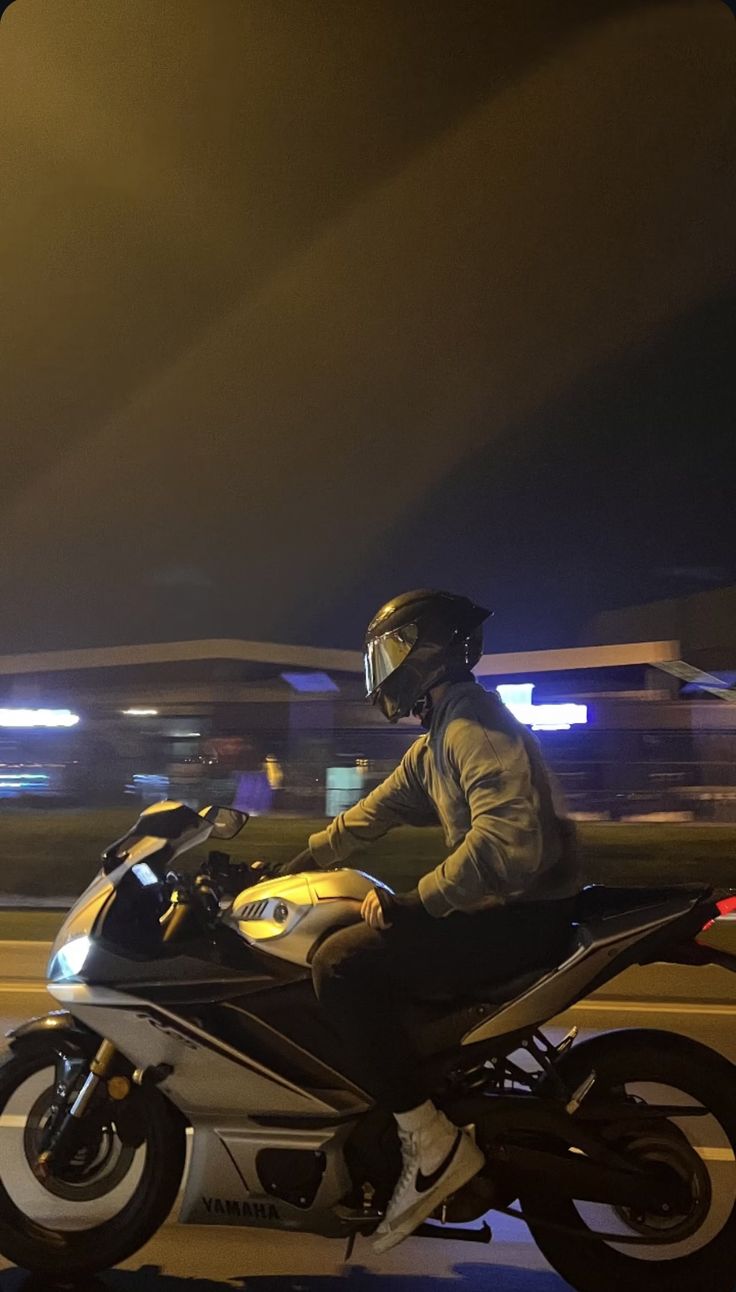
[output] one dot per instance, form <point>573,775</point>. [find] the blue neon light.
<point>314,683</point>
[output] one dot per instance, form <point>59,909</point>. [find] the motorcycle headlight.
<point>69,961</point>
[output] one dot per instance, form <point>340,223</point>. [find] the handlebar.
<point>226,876</point>
<point>198,900</point>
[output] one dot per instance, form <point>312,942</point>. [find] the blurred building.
<point>193,718</point>
<point>625,725</point>
<point>704,624</point>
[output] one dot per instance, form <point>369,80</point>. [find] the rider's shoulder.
<point>475,715</point>
<point>416,751</point>
<point>471,701</point>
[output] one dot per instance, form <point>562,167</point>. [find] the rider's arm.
<point>399,800</point>
<point>500,854</point>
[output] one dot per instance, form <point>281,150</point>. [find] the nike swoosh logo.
<point>425,1182</point>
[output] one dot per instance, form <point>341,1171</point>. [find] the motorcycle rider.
<point>499,905</point>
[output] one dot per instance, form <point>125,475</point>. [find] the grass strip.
<point>49,853</point>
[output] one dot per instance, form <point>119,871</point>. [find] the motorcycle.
<point>189,1056</point>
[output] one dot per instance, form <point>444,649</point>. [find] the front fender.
<point>60,1030</point>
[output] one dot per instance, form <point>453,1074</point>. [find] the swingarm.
<point>530,1141</point>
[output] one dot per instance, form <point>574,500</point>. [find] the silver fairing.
<point>223,1185</point>
<point>287,917</point>
<point>224,1094</point>
<point>82,917</point>
<point>208,1076</point>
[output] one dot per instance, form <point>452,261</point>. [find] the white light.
<point>141,713</point>
<point>38,718</point>
<point>71,958</point>
<point>144,874</point>
<point>517,696</point>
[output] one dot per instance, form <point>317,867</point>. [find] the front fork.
<point>65,1134</point>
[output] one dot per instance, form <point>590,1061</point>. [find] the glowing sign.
<point>319,683</point>
<point>38,718</point>
<point>517,697</point>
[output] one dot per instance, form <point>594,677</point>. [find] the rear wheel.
<point>105,1202</point>
<point>671,1253</point>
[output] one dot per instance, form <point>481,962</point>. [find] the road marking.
<point>22,987</point>
<point>25,943</point>
<point>651,1007</point>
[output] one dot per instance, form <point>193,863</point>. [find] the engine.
<point>287,916</point>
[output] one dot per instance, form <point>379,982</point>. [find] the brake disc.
<point>98,1166</point>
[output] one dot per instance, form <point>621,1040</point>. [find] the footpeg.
<point>580,1094</point>
<point>567,1042</point>
<point>470,1203</point>
<point>358,1221</point>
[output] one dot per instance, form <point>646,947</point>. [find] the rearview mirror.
<point>226,822</point>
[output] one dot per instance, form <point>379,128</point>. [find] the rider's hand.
<point>266,869</point>
<point>275,869</point>
<point>382,908</point>
<point>303,861</point>
<point>372,911</point>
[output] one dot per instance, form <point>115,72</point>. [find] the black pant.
<point>365,977</point>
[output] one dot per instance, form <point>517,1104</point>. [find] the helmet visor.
<point>384,654</point>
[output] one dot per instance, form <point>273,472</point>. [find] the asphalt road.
<point>700,1003</point>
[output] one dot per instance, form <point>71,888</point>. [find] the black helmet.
<point>416,641</point>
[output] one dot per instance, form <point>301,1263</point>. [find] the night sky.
<point>304,303</point>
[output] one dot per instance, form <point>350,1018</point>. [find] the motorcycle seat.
<point>599,902</point>
<point>435,1026</point>
<point>498,992</point>
<point>441,1022</point>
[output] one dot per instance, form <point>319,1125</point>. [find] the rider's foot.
<point>438,1159</point>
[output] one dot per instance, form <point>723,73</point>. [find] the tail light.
<point>727,906</point>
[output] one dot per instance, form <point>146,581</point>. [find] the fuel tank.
<point>289,916</point>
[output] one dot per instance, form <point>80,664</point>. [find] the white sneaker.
<point>437,1161</point>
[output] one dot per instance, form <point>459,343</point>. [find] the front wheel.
<point>657,1252</point>
<point>108,1200</point>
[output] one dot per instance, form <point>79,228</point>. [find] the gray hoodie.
<point>480,774</point>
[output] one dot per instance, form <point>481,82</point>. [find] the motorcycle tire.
<point>71,1253</point>
<point>595,1265</point>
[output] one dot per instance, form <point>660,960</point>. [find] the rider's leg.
<point>358,980</point>
<point>363,977</point>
